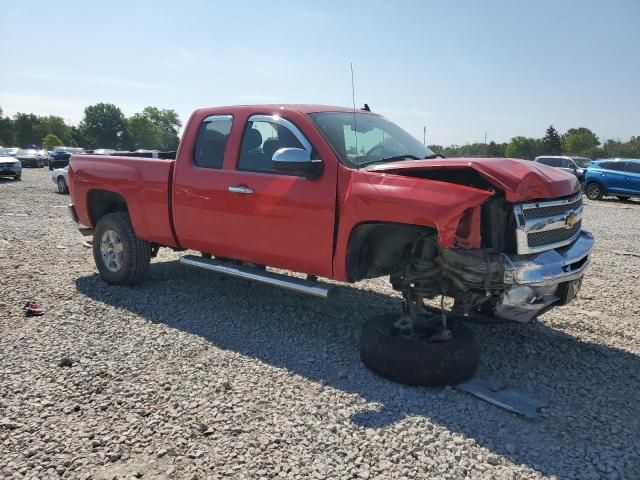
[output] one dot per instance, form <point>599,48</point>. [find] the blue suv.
<point>619,177</point>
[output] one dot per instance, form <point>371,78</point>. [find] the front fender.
<point>378,197</point>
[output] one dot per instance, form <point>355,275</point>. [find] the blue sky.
<point>459,67</point>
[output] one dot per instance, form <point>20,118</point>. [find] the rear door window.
<point>552,162</point>
<point>633,167</point>
<point>211,144</point>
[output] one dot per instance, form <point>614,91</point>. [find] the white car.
<point>61,179</point>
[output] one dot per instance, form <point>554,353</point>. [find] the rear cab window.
<point>211,144</point>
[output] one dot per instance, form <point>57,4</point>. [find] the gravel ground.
<point>192,375</point>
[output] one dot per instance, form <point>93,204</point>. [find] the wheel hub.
<point>111,250</point>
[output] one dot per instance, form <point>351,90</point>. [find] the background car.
<point>61,179</point>
<point>618,176</point>
<point>59,157</point>
<point>44,154</point>
<point>10,166</point>
<point>29,158</point>
<point>571,164</point>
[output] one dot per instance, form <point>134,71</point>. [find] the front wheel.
<point>62,185</point>
<point>594,191</point>
<point>413,360</point>
<point>121,258</point>
<point>18,177</point>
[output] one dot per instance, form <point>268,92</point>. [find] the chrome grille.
<point>552,236</point>
<point>548,224</point>
<point>541,212</point>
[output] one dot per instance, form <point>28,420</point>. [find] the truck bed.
<point>145,184</point>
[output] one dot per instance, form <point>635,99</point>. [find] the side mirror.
<point>296,161</point>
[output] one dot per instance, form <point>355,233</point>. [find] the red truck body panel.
<point>145,184</point>
<point>291,222</point>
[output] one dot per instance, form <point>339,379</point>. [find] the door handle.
<point>240,189</point>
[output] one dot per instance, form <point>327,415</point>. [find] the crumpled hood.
<point>521,180</point>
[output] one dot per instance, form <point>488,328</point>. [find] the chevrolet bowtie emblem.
<point>570,221</point>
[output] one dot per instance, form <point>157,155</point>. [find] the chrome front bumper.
<point>537,278</point>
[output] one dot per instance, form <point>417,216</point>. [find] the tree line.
<point>575,141</point>
<point>102,126</point>
<point>105,126</point>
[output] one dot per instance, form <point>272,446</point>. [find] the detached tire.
<point>416,361</point>
<point>121,258</point>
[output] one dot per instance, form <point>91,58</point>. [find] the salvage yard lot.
<point>193,375</point>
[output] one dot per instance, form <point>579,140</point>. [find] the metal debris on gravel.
<point>275,377</point>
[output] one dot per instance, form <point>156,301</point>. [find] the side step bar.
<point>309,287</point>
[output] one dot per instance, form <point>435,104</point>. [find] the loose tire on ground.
<point>594,191</point>
<point>136,253</point>
<point>416,361</point>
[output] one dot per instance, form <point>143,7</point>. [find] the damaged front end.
<point>515,275</point>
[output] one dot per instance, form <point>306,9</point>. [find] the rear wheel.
<point>62,185</point>
<point>416,360</point>
<point>594,191</point>
<point>121,258</point>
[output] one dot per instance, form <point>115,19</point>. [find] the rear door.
<point>278,219</point>
<point>633,178</point>
<point>200,187</point>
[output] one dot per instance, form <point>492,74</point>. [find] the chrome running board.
<point>309,287</point>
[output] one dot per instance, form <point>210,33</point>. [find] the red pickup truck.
<point>347,195</point>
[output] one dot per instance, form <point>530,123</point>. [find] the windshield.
<point>362,138</point>
<point>582,162</point>
<point>5,152</point>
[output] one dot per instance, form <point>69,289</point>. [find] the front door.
<point>277,219</point>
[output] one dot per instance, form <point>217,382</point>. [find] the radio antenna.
<point>355,126</point>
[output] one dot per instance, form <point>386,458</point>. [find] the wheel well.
<point>380,248</point>
<point>102,202</point>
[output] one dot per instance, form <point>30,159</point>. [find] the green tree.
<point>523,147</point>
<point>168,124</point>
<point>7,137</point>
<point>103,126</point>
<point>57,126</point>
<point>50,141</point>
<point>495,150</point>
<point>551,143</point>
<point>27,129</point>
<point>579,141</point>
<point>144,133</point>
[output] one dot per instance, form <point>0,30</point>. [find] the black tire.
<point>206,255</point>
<point>623,198</point>
<point>18,177</point>
<point>62,185</point>
<point>416,361</point>
<point>50,166</point>
<point>136,252</point>
<point>594,191</point>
